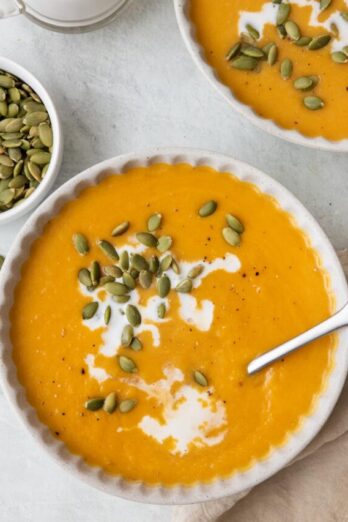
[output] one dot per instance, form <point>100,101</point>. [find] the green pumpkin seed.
<point>136,345</point>
<point>139,262</point>
<point>3,108</point>
<point>252,51</point>
<point>184,287</point>
<point>127,365</point>
<point>208,208</point>
<point>14,94</point>
<point>114,288</point>
<point>112,270</point>
<point>233,51</point>
<point>303,41</point>
<point>12,144</point>
<point>33,106</point>
<point>254,33</point>
<point>127,405</point>
<point>94,404</point>
<point>175,267</point>
<point>106,279</point>
<point>41,158</point>
<point>13,110</point>
<point>18,182</point>
<point>107,315</point>
<point>272,54</point>
<point>133,315</point>
<point>6,161</point>
<point>161,311</point>
<point>244,63</point>
<point>5,172</point>
<point>283,13</point>
<point>293,30</point>
<point>234,223</point>
<point>281,31</point>
<point>124,260</point>
<point>324,4</point>
<point>164,243</point>
<point>127,335</point>
<point>166,263</point>
<point>6,81</point>
<point>110,403</point>
<point>145,278</point>
<point>147,239</point>
<point>154,264</point>
<point>18,168</point>
<point>120,229</point>
<point>313,103</point>
<point>134,273</point>
<point>95,272</point>
<point>13,125</point>
<point>45,134</point>
<point>2,260</point>
<point>231,236</point>
<point>35,118</point>
<point>303,83</point>
<point>195,271</point>
<point>121,299</point>
<point>266,48</point>
<point>339,57</point>
<point>163,286</point>
<point>286,69</point>
<point>108,249</point>
<point>318,42</point>
<point>81,244</point>
<point>200,378</point>
<point>154,222</point>
<point>128,280</point>
<point>89,310</point>
<point>84,277</point>
<point>7,196</point>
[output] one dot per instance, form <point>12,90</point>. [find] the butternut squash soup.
<point>141,304</point>
<point>287,60</point>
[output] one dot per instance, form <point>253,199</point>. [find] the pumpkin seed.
<point>6,161</point>
<point>81,244</point>
<point>184,287</point>
<point>195,271</point>
<point>154,222</point>
<point>136,344</point>
<point>45,134</point>
<point>147,239</point>
<point>283,13</point>
<point>13,110</point>
<point>318,42</point>
<point>89,310</point>
<point>33,106</point>
<point>133,315</point>
<point>127,365</point>
<point>95,273</point>
<point>231,236</point>
<point>6,81</point>
<point>163,286</point>
<point>139,262</point>
<point>292,30</point>
<point>145,278</point>
<point>84,277</point>
<point>286,69</point>
<point>303,41</point>
<point>252,51</point>
<point>120,229</point>
<point>114,288</point>
<point>303,83</point>
<point>164,243</point>
<point>18,182</point>
<point>324,4</point>
<point>3,108</point>
<point>107,315</point>
<point>127,335</point>
<point>7,196</point>
<point>35,118</point>
<point>108,249</point>
<point>175,267</point>
<point>244,63</point>
<point>272,54</point>
<point>134,273</point>
<point>200,378</point>
<point>161,311</point>
<point>128,280</point>
<point>233,51</point>
<point>112,270</point>
<point>154,264</point>
<point>106,279</point>
<point>2,260</point>
<point>127,405</point>
<point>94,404</point>
<point>14,94</point>
<point>41,158</point>
<point>124,260</point>
<point>313,103</point>
<point>121,299</point>
<point>339,57</point>
<point>254,33</point>
<point>5,172</point>
<point>166,262</point>
<point>208,208</point>
<point>234,223</point>
<point>110,403</point>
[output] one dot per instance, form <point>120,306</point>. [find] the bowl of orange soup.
<point>132,302</point>
<point>282,64</point>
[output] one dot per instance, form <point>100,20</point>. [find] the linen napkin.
<point>313,487</point>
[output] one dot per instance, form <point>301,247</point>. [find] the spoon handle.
<point>338,320</point>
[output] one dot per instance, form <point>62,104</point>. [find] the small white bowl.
<point>42,190</point>
<point>188,33</point>
<point>116,485</point>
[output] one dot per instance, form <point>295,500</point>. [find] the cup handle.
<point>11,8</point>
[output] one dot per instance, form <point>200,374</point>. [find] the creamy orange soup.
<point>222,23</point>
<point>185,410</point>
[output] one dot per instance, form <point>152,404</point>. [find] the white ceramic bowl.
<point>188,33</point>
<point>259,471</point>
<point>57,154</point>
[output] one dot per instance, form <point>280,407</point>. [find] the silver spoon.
<point>338,320</point>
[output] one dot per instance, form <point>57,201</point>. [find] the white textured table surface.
<point>128,86</point>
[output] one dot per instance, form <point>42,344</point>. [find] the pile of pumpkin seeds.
<point>247,55</point>
<point>124,272</point>
<point>25,141</point>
